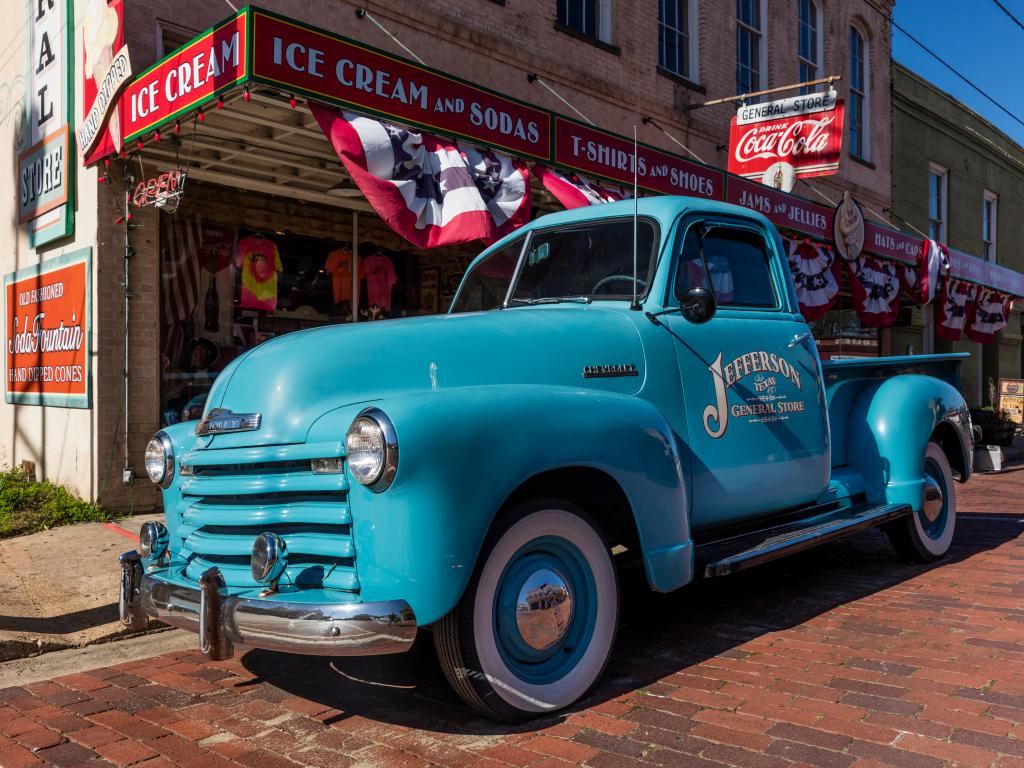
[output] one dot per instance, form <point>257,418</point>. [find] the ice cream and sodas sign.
<point>47,339</point>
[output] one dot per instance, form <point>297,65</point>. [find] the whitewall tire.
<point>535,628</point>
<point>926,535</point>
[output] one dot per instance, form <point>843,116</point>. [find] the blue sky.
<point>978,40</point>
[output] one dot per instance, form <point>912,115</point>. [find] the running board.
<point>725,556</point>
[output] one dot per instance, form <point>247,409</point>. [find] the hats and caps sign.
<point>44,165</point>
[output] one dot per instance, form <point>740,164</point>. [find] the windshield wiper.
<point>553,300</point>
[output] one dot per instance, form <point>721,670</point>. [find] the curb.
<point>27,648</point>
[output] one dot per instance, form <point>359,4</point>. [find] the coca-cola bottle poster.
<point>214,314</point>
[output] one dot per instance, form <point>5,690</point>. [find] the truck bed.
<point>844,380</point>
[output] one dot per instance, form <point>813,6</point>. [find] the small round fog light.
<point>153,539</point>
<point>269,558</point>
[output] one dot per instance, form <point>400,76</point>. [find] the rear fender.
<point>462,454</point>
<point>890,424</point>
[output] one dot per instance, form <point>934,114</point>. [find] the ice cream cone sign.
<point>106,70</point>
<point>848,228</point>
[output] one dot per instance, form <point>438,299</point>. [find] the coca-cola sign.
<point>775,142</point>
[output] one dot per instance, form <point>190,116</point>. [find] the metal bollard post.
<point>212,640</point>
<point>129,600</point>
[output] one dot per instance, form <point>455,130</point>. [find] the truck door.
<point>756,423</point>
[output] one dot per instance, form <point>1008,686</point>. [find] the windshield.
<point>591,261</point>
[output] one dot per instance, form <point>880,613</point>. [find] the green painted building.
<point>959,179</point>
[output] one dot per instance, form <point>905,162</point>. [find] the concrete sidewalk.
<point>58,588</point>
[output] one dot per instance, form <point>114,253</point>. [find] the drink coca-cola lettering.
<point>785,141</point>
<point>810,143</point>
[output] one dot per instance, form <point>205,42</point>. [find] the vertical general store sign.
<point>45,167</point>
<point>777,141</point>
<point>47,312</point>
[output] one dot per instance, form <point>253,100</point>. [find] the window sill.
<point>588,39</point>
<point>862,161</point>
<point>683,81</point>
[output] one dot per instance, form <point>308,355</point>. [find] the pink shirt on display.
<point>380,279</point>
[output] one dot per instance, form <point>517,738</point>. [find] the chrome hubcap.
<point>543,609</point>
<point>932,506</point>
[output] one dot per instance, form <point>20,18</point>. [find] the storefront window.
<point>839,334</point>
<point>486,286</point>
<point>226,290</point>
<point>592,261</point>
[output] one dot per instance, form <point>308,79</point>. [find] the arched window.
<point>860,104</point>
<point>809,35</point>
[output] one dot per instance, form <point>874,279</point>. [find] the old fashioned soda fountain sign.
<point>778,141</point>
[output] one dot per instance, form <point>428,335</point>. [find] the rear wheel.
<point>535,628</point>
<point>925,536</point>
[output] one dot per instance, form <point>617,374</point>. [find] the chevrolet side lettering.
<point>485,473</point>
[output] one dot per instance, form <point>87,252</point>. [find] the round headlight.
<point>269,558</point>
<point>153,540</point>
<point>160,459</point>
<point>371,448</point>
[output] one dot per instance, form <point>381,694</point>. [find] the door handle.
<point>799,339</point>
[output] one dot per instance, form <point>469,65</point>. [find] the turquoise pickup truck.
<point>484,473</point>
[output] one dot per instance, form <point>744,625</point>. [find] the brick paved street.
<point>840,656</point>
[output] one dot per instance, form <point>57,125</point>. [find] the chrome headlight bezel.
<point>153,540</point>
<point>382,478</point>
<point>269,558</point>
<point>166,470</point>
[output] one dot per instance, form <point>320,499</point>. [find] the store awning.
<point>248,76</point>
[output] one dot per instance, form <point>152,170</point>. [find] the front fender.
<point>889,427</point>
<point>463,451</point>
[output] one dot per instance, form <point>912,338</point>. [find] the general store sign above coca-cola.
<point>801,136</point>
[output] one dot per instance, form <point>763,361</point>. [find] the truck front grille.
<point>232,495</point>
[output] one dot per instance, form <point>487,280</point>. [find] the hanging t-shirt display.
<point>259,262</point>
<point>339,266</point>
<point>876,291</point>
<point>380,280</point>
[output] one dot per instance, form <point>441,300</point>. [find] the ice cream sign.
<point>106,71</point>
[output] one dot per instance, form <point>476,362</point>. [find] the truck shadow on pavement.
<point>661,635</point>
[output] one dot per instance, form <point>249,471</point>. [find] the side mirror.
<point>698,305</point>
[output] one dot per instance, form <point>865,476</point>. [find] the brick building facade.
<point>952,169</point>
<point>605,66</point>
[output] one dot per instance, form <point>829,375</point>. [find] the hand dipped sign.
<point>47,339</point>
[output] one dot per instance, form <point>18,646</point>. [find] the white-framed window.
<point>678,38</point>
<point>590,18</point>
<point>751,54</point>
<point>810,41</point>
<point>860,102</point>
<point>989,222</point>
<point>938,193</point>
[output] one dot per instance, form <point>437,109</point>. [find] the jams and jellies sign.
<point>345,73</point>
<point>47,311</point>
<point>784,211</point>
<point>800,136</point>
<point>191,77</point>
<point>595,152</point>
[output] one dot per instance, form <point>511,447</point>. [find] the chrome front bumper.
<point>318,629</point>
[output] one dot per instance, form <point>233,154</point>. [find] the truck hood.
<point>294,379</point>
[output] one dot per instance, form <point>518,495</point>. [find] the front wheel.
<point>925,536</point>
<point>535,628</point>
